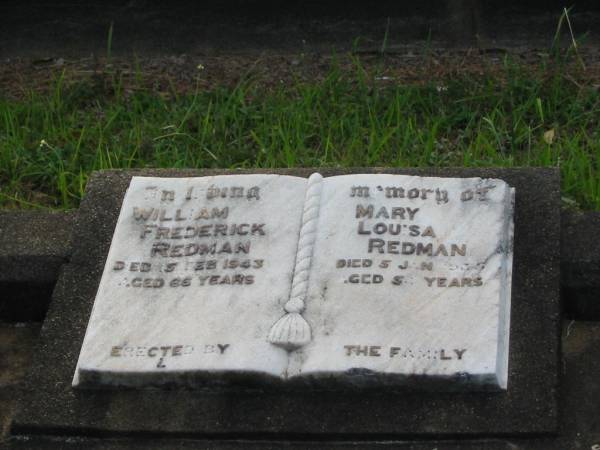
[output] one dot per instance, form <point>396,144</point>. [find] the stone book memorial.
<point>366,279</point>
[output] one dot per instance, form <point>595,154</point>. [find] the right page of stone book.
<point>410,281</point>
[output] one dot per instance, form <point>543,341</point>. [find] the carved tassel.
<point>292,330</point>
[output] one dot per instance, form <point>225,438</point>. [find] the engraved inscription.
<point>395,229</point>
<point>200,235</point>
<point>442,354</point>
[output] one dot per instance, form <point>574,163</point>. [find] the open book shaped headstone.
<point>364,279</point>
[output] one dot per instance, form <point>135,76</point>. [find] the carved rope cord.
<point>292,330</point>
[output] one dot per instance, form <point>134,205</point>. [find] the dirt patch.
<point>183,73</point>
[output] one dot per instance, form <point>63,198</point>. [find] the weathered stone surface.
<point>33,247</point>
<point>410,280</point>
<point>193,281</point>
<point>529,406</point>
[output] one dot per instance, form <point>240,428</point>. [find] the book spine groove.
<point>292,331</point>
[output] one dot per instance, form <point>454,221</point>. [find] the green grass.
<point>50,143</point>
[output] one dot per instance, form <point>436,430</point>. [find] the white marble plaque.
<point>193,278</point>
<point>413,278</point>
<point>360,278</point>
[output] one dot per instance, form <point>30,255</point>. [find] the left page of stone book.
<point>196,274</point>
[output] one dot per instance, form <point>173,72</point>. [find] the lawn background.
<point>355,114</point>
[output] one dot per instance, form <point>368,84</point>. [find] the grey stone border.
<point>50,406</point>
<point>33,247</point>
<point>580,264</point>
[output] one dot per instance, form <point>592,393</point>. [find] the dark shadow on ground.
<point>76,28</point>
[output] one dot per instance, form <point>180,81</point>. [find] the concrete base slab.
<point>50,406</point>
